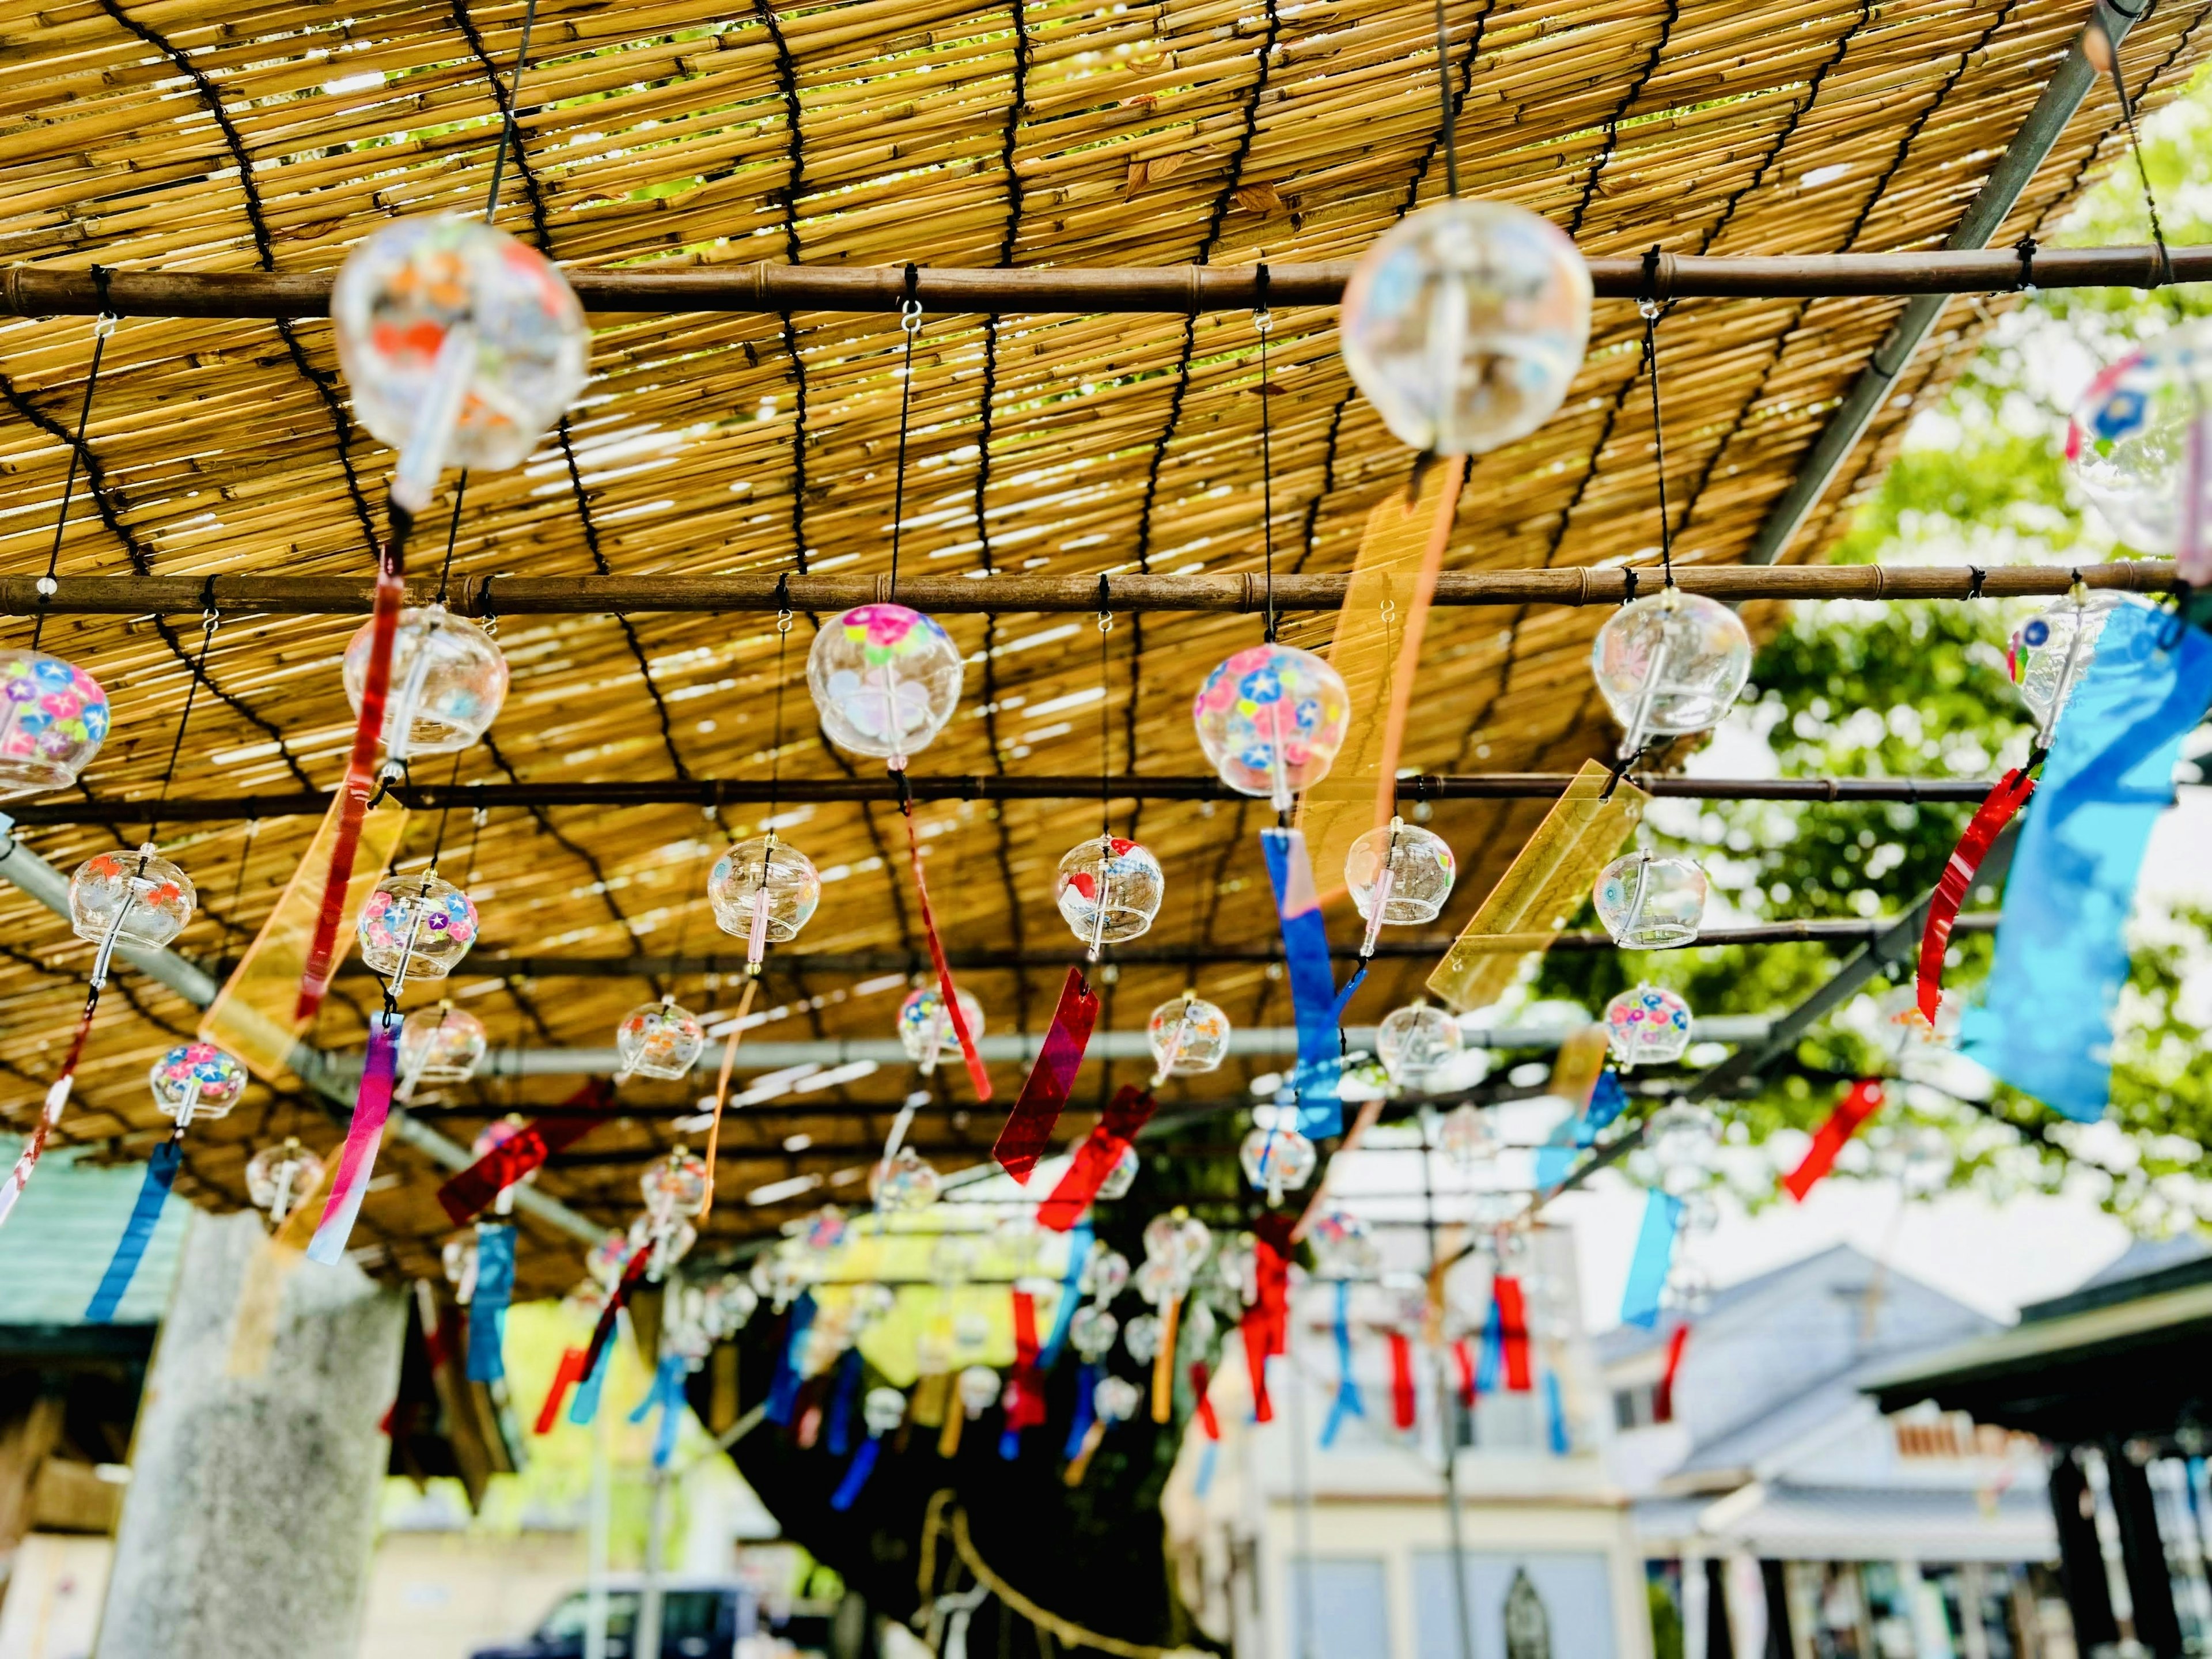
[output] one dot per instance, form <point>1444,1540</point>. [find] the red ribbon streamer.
<point>1200,1379</point>
<point>603,1333</point>
<point>1025,1396</point>
<point>945,990</point>
<point>1403,1400</point>
<point>360,775</point>
<point>1513,1333</point>
<point>1998,808</point>
<point>1044,1091</point>
<point>1132,1107</point>
<point>474,1187</point>
<point>1464,1357</point>
<point>1662,1397</point>
<point>1267,1326</point>
<point>57,1096</point>
<point>1862,1102</point>
<point>570,1372</point>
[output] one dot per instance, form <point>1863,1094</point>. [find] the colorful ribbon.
<point>667,1395</point>
<point>1463,1360</point>
<point>487,1308</point>
<point>1201,1380</point>
<point>1654,1255</point>
<point>1130,1109</point>
<point>1512,1311</point>
<point>1490,1370</point>
<point>947,991</point>
<point>1315,1003</point>
<point>1266,1325</point>
<point>1555,1416</point>
<point>856,1475</point>
<point>1087,1409</point>
<point>1405,1402</point>
<point>371,1106</point>
<point>603,1333</point>
<point>58,1095</point>
<point>1663,1394</point>
<point>1025,1393</point>
<point>1608,1100</point>
<point>1044,1091</point>
<point>1347,1402</point>
<point>565,1376</point>
<point>1863,1099</point>
<point>783,1391</point>
<point>586,1406</point>
<point>138,1231</point>
<point>843,1399</point>
<point>1071,1294</point>
<point>473,1190</point>
<point>1998,807</point>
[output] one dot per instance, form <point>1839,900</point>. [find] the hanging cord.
<point>1648,308</point>
<point>452,535</point>
<point>1444,103</point>
<point>1105,748</point>
<point>508,111</point>
<point>1263,322</point>
<point>209,620</point>
<point>445,815</point>
<point>2097,46</point>
<point>910,325</point>
<point>102,326</point>
<point>782,644</point>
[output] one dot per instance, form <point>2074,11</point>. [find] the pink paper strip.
<point>370,1107</point>
<point>1044,1092</point>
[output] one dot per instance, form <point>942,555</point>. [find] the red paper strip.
<point>569,1372</point>
<point>360,774</point>
<point>945,989</point>
<point>1862,1102</point>
<point>1131,1109</point>
<point>1403,1400</point>
<point>1267,1326</point>
<point>1201,1380</point>
<point>1044,1092</point>
<point>58,1095</point>
<point>1998,808</point>
<point>1513,1332</point>
<point>1662,1397</point>
<point>603,1333</point>
<point>1463,1357</point>
<point>1025,1396</point>
<point>469,1192</point>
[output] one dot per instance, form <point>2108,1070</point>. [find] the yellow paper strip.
<point>1575,1070</point>
<point>1540,891</point>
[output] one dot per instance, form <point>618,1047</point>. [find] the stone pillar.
<point>258,1456</point>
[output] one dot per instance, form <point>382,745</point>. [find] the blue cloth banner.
<point>783,1392</point>
<point>667,1394</point>
<point>1087,1409</point>
<point>138,1232</point>
<point>1347,1402</point>
<point>2045,1022</point>
<point>1315,1003</point>
<point>585,1404</point>
<point>1655,1254</point>
<point>857,1473</point>
<point>1555,1416</point>
<point>487,1308</point>
<point>842,1403</point>
<point>1071,1295</point>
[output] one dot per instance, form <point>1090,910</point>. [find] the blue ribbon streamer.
<point>1087,1409</point>
<point>1655,1254</point>
<point>1347,1402</point>
<point>857,1473</point>
<point>1071,1295</point>
<point>783,1392</point>
<point>1315,1003</point>
<point>667,1394</point>
<point>487,1308</point>
<point>1608,1100</point>
<point>138,1232</point>
<point>585,1404</point>
<point>2045,1022</point>
<point>1555,1416</point>
<point>1207,1458</point>
<point>840,1426</point>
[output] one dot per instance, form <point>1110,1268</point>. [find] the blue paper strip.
<point>138,1232</point>
<point>1315,1003</point>
<point>585,1404</point>
<point>783,1392</point>
<point>1490,1367</point>
<point>1555,1416</point>
<point>1608,1100</point>
<point>667,1395</point>
<point>1087,1409</point>
<point>856,1475</point>
<point>1655,1254</point>
<point>487,1308</point>
<point>1347,1402</point>
<point>2045,1022</point>
<point>1071,1295</point>
<point>1207,1456</point>
<point>848,1394</point>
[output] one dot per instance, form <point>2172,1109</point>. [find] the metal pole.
<point>647,1643</point>
<point>595,1559</point>
<point>1447,1416</point>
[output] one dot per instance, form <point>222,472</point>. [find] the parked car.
<point>700,1619</point>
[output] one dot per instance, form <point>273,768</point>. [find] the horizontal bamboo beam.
<point>760,791</point>
<point>51,291</point>
<point>1236,594</point>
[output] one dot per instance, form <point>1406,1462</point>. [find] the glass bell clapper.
<point>1669,665</point>
<point>195,1080</point>
<point>1400,875</point>
<point>1648,904</point>
<point>1415,1042</point>
<point>762,892</point>
<point>658,1040</point>
<point>416,927</point>
<point>1464,325</point>
<point>1647,1025</point>
<point>886,680</point>
<point>53,718</point>
<point>1188,1037</point>
<point>1276,1160</point>
<point>281,1178</point>
<point>925,1030</point>
<point>128,898</point>
<point>1107,889</point>
<point>448,680</point>
<point>1271,720</point>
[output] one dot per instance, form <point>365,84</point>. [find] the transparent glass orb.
<point>669,1244</point>
<point>1649,903</point>
<point>1271,720</point>
<point>1689,1289</point>
<point>1344,1245</point>
<point>1647,1026</point>
<point>731,1302</point>
<point>448,680</point>
<point>1669,664</point>
<point>399,294</point>
<point>1684,1141</point>
<point>280,1178</point>
<point>823,1231</point>
<point>196,1079</point>
<point>1408,869</point>
<point>1467,1137</point>
<point>2128,440</point>
<point>1464,325</point>
<point>675,1185</point>
<point>140,898</point>
<point>1115,1400</point>
<point>903,1184</point>
<point>763,866</point>
<point>1188,1036</point>
<point>1277,1160</point>
<point>885,680</point>
<point>979,1389</point>
<point>442,1045</point>
<point>53,717</point>
<point>659,1039</point>
<point>925,1030</point>
<point>1414,1043</point>
<point>1105,1273</point>
<point>1236,1264</point>
<point>1142,1338</point>
<point>883,1410</point>
<point>1092,1330</point>
<point>2044,655</point>
<point>416,927</point>
<point>1107,889</point>
<point>971,1331</point>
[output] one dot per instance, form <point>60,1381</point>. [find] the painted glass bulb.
<point>280,1178</point>
<point>668,1244</point>
<point>1188,1036</point>
<point>448,680</point>
<point>1115,1400</point>
<point>1271,720</point>
<point>925,1030</point>
<point>1645,1026</point>
<point>136,898</point>
<point>53,718</point>
<point>1159,1280</point>
<point>416,927</point>
<point>886,680</point>
<point>730,1302</point>
<point>1107,889</point>
<point>1648,904</point>
<point>1399,874</point>
<point>1669,664</point>
<point>1684,1139</point>
<point>659,1039</point>
<point>1464,325</point>
<point>763,892</point>
<point>1092,1331</point>
<point>1105,1273</point>
<point>883,1410</point>
<point>1467,1137</point>
<point>903,1182</point>
<point>2050,653</point>
<point>1344,1246</point>
<point>1142,1338</point>
<point>1277,1161</point>
<point>456,339</point>
<point>675,1185</point>
<point>823,1232</point>
<point>2136,441</point>
<point>979,1389</point>
<point>1415,1042</point>
<point>196,1079</point>
<point>443,1044</point>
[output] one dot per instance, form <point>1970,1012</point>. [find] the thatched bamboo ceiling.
<point>179,134</point>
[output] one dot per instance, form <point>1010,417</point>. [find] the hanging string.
<point>210,621</point>
<point>102,326</point>
<point>452,535</point>
<point>1263,322</point>
<point>1648,308</point>
<point>506,113</point>
<point>238,876</point>
<point>1444,103</point>
<point>910,325</point>
<point>444,815</point>
<point>1105,749</point>
<point>783,646</point>
<point>2097,46</point>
